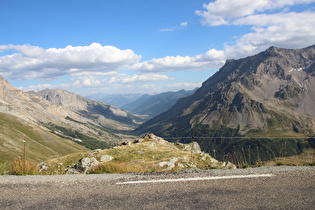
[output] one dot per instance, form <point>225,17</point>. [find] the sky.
<point>140,46</point>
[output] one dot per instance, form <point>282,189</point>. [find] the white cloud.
<point>185,85</point>
<point>182,25</point>
<point>44,86</point>
<point>124,78</point>
<point>209,60</point>
<point>221,12</point>
<point>32,62</point>
<point>270,25</point>
<point>115,81</point>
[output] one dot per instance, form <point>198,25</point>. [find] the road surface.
<point>256,188</point>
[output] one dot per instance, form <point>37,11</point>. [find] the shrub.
<point>23,167</point>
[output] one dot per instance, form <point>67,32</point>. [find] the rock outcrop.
<point>185,156</point>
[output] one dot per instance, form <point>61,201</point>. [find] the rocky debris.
<point>155,139</point>
<point>152,142</point>
<point>106,158</point>
<point>42,166</point>
<point>127,142</point>
<point>149,136</point>
<point>87,163</point>
<point>170,164</point>
<point>192,147</point>
<point>94,152</point>
<point>83,166</point>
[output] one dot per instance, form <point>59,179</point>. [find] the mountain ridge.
<point>249,94</point>
<point>60,116</point>
<point>152,105</point>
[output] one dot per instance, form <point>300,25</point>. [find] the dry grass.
<point>304,159</point>
<point>23,167</point>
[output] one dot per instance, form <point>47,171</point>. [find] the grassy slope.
<point>40,144</point>
<point>139,158</point>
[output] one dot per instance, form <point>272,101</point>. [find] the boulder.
<point>83,166</point>
<point>127,142</point>
<point>150,136</point>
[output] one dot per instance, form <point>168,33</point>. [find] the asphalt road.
<point>258,188</point>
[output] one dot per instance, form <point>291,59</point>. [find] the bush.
<point>23,167</point>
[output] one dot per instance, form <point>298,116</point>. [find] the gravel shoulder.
<point>9,179</point>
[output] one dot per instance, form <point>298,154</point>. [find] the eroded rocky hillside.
<point>272,93</point>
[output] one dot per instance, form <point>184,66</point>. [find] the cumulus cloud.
<point>271,20</point>
<point>112,81</point>
<point>32,62</point>
<point>36,62</point>
<point>209,60</point>
<point>221,12</point>
<point>116,78</point>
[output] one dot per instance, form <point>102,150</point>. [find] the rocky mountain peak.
<point>277,85</point>
<point>6,89</point>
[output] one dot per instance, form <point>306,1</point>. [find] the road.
<point>256,188</point>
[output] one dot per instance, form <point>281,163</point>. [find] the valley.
<point>252,110</point>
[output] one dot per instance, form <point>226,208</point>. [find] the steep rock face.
<point>273,86</point>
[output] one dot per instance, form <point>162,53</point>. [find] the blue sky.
<point>140,46</point>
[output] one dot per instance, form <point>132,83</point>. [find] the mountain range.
<point>153,105</point>
<point>145,106</point>
<point>50,118</point>
<point>272,93</point>
<point>116,100</point>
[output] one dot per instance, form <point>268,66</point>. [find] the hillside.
<point>261,107</point>
<point>106,115</point>
<point>271,92</point>
<point>40,145</point>
<point>153,105</point>
<point>146,154</point>
<point>60,116</point>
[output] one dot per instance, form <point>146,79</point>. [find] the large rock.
<point>83,166</point>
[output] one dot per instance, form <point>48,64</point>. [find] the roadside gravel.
<point>9,179</point>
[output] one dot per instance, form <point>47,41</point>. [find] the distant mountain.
<point>104,114</point>
<point>116,100</point>
<point>50,118</point>
<point>271,93</point>
<point>152,105</point>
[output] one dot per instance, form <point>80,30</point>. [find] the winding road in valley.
<point>254,188</point>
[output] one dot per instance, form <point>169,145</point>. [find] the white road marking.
<point>197,179</point>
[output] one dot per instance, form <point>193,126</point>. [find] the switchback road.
<point>256,188</point>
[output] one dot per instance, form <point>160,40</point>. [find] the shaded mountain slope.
<point>271,92</point>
